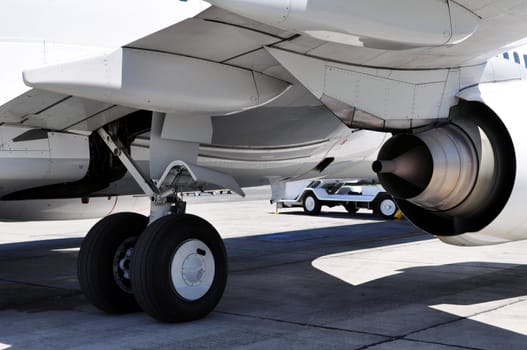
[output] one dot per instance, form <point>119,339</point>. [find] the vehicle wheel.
<point>179,268</point>
<point>386,207</point>
<point>103,265</point>
<point>311,204</point>
<point>351,208</point>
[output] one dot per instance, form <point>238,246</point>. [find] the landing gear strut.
<point>174,268</point>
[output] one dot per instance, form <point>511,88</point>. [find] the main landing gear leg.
<point>174,268</point>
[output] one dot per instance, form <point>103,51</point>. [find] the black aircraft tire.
<point>96,268</point>
<point>179,268</point>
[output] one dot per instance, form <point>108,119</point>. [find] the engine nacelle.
<point>465,181</point>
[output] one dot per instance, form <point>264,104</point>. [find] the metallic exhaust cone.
<point>436,169</point>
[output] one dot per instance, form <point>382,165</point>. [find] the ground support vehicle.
<point>353,195</point>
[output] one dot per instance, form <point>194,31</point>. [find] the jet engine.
<point>463,181</point>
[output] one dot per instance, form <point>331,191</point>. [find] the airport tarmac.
<point>336,281</point>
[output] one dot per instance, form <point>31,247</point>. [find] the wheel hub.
<point>310,203</point>
<point>121,264</point>
<point>387,207</point>
<point>192,269</point>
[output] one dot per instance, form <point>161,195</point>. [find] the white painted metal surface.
<point>217,42</point>
<point>190,127</point>
<point>71,208</point>
<point>159,81</point>
<point>43,109</point>
<point>199,175</point>
<point>507,100</point>
<point>292,193</point>
<point>192,269</point>
<point>52,158</point>
<point>367,194</point>
<point>393,96</point>
<point>356,22</point>
<point>240,47</point>
<point>386,94</point>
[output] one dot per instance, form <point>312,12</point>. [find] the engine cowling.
<point>464,181</point>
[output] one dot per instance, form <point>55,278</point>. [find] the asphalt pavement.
<point>336,281</point>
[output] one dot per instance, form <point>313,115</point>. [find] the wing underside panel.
<point>237,43</point>
<point>47,110</point>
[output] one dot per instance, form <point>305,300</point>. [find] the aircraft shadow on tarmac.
<point>398,305</point>
<point>272,277</point>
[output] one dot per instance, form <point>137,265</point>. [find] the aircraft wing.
<point>401,34</point>
<point>219,63</point>
<point>53,111</point>
<point>215,62</point>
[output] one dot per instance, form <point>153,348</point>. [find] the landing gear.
<point>179,270</point>
<point>175,269</point>
<point>104,262</point>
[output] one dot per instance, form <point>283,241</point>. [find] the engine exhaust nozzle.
<point>435,169</point>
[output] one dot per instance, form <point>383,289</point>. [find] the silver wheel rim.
<point>388,207</point>
<point>310,203</point>
<point>192,269</point>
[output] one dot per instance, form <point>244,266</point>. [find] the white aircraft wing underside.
<point>225,37</point>
<point>54,111</point>
<point>236,72</point>
<point>502,23</point>
<point>207,45</point>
